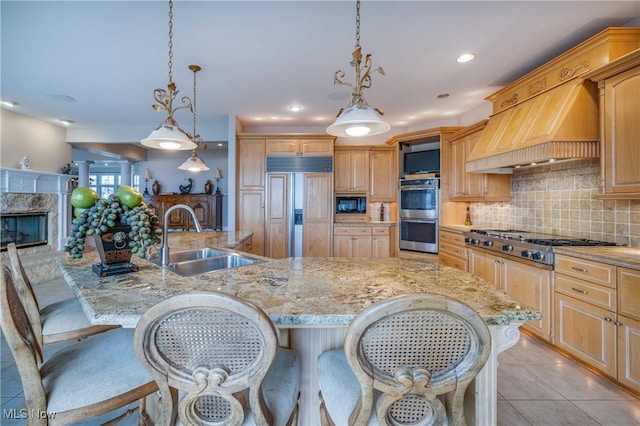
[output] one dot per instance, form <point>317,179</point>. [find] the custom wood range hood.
<point>551,113</point>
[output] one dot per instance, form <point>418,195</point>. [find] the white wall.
<point>44,143</point>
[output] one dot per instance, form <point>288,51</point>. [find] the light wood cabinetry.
<point>318,215</point>
<point>351,169</point>
<point>628,281</point>
<point>452,250</point>
<point>474,186</point>
<point>526,283</point>
<point>203,205</point>
<point>585,311</point>
<point>619,88</point>
<point>320,147</point>
<point>352,241</point>
<point>383,183</point>
<point>364,241</point>
<point>277,216</point>
<point>244,245</point>
<point>250,167</point>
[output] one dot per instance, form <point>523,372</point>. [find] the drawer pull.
<point>579,290</point>
<point>579,269</point>
<point>607,319</point>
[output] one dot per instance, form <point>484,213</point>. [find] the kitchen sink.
<point>195,254</point>
<point>187,268</point>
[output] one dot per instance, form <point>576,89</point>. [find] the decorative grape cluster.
<point>106,213</point>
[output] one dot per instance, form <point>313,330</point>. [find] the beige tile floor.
<point>536,385</point>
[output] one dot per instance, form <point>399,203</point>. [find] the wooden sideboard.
<point>208,209</point>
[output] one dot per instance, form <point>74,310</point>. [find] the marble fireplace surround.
<point>25,191</point>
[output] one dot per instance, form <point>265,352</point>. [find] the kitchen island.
<point>314,298</point>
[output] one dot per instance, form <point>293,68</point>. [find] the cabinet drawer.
<point>595,272</point>
<point>352,230</point>
<point>453,249</point>
<point>629,293</point>
<point>453,261</point>
<point>452,237</point>
<point>380,230</point>
<point>604,297</point>
<point>351,218</point>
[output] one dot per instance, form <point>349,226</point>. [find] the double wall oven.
<point>419,213</point>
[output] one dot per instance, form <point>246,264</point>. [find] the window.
<point>104,184</point>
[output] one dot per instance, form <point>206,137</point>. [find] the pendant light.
<point>358,118</point>
<point>194,163</point>
<point>168,135</point>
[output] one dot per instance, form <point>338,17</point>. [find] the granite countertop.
<point>628,257</point>
<point>457,228</point>
<point>295,292</point>
<point>220,239</point>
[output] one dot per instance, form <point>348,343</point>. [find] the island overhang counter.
<point>315,299</point>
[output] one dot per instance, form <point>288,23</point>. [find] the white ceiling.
<point>259,57</point>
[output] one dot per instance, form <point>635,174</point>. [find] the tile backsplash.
<point>559,199</point>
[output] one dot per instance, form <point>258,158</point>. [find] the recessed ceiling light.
<point>465,57</point>
<point>295,108</point>
<point>443,95</point>
<point>65,122</point>
<point>10,104</point>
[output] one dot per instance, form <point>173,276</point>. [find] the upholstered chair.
<point>58,322</point>
<point>97,376</point>
<point>216,360</point>
<point>406,360</point>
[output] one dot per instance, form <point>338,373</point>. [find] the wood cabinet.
<point>619,89</point>
<point>364,241</point>
<point>383,182</point>
<point>526,283</point>
<point>250,172</point>
<point>351,169</point>
<point>245,245</point>
<point>352,241</point>
<point>473,186</point>
<point>204,206</point>
<point>585,311</point>
<point>284,147</point>
<point>452,250</point>
<point>628,284</point>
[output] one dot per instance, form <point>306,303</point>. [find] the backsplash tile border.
<point>559,199</point>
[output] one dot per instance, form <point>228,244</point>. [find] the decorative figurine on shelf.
<point>185,189</point>
<point>208,187</point>
<point>66,169</point>
<point>147,177</point>
<point>155,187</point>
<point>218,177</point>
<point>25,163</point>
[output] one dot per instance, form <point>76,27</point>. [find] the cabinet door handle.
<point>579,290</point>
<point>579,269</point>
<point>607,319</point>
<point>618,323</point>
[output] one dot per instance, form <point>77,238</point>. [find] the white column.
<point>83,172</point>
<point>125,172</point>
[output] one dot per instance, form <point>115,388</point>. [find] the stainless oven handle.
<point>417,188</point>
<point>419,220</point>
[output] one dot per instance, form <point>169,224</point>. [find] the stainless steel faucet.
<point>164,248</point>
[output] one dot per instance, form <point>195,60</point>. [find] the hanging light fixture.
<point>194,163</point>
<point>358,118</point>
<point>168,135</point>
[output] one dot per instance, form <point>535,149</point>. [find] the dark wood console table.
<point>208,209</point>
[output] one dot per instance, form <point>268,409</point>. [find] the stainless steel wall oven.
<point>419,214</point>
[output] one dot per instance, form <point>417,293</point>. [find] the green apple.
<point>129,196</point>
<point>83,197</point>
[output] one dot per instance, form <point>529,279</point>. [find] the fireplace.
<point>27,199</point>
<point>24,229</point>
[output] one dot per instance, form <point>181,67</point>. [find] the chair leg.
<point>325,418</point>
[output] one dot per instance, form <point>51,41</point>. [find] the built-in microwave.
<point>351,204</point>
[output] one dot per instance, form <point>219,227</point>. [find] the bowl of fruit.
<point>121,225</point>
